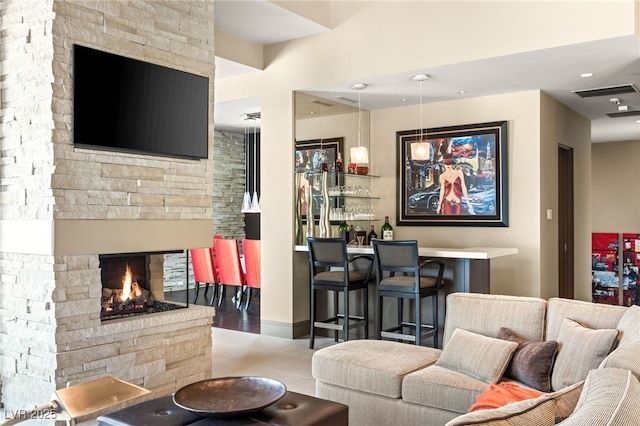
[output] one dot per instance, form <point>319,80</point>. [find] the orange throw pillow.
<point>501,394</point>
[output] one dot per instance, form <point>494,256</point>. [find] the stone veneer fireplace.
<point>61,207</point>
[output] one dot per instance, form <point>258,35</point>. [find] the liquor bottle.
<point>343,230</point>
<point>352,167</point>
<point>371,235</point>
<point>387,229</point>
<point>351,235</point>
<point>339,164</point>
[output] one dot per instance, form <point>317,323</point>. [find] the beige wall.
<point>377,38</point>
<point>562,126</point>
<point>615,194</point>
<point>518,274</point>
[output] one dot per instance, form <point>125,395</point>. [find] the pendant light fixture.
<point>251,203</point>
<point>420,150</point>
<point>246,199</point>
<point>360,154</point>
<point>255,200</point>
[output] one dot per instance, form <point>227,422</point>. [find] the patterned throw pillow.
<point>629,324</point>
<point>580,349</point>
<point>532,362</point>
<point>484,358</point>
<point>626,356</point>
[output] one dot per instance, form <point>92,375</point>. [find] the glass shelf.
<point>361,197</point>
<point>350,196</point>
<point>367,176</point>
<point>342,174</point>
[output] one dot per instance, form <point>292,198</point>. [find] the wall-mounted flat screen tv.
<point>124,104</point>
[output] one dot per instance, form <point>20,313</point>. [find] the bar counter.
<point>468,269</point>
<point>449,253</point>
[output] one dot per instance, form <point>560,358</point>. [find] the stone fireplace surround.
<point>61,207</point>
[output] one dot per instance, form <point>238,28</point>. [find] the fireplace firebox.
<point>132,284</point>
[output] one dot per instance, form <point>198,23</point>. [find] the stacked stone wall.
<point>50,332</point>
<point>228,191</point>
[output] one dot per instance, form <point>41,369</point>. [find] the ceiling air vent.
<point>606,91</point>
<point>620,114</point>
<point>343,98</point>
<point>315,101</point>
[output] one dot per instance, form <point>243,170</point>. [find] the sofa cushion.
<point>374,366</point>
<point>442,388</point>
<point>626,356</point>
<point>541,411</point>
<point>580,349</point>
<point>524,315</point>
<point>484,358</point>
<point>629,324</point>
<point>610,397</point>
<point>592,315</point>
<point>532,362</point>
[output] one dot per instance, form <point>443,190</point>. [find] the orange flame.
<point>126,284</point>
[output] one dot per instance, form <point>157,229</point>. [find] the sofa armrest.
<point>610,396</point>
<point>541,411</point>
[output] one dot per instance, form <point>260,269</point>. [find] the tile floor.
<point>237,353</point>
<point>244,354</point>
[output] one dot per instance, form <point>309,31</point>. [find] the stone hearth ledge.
<point>161,352</point>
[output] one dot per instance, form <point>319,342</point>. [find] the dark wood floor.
<point>227,316</point>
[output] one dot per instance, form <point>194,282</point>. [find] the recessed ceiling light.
<point>586,75</point>
<point>461,92</point>
<point>637,121</point>
<point>403,100</point>
<point>359,86</point>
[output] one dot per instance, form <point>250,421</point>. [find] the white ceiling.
<point>554,71</point>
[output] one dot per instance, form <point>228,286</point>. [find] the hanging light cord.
<point>421,126</point>
<point>359,119</point>
<point>246,156</point>
<point>255,154</point>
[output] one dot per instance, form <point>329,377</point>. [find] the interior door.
<point>565,223</point>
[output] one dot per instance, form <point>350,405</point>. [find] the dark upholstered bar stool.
<point>325,254</point>
<point>398,275</point>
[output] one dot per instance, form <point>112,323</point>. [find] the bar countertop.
<point>449,253</point>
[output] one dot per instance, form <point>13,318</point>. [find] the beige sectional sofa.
<point>389,383</point>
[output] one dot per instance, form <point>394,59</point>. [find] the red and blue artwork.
<point>630,268</point>
<point>605,284</point>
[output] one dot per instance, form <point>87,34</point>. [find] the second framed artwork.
<point>453,176</point>
<point>310,156</point>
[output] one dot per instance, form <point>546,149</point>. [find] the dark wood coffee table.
<point>294,409</point>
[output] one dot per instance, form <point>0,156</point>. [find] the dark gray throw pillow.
<point>532,362</point>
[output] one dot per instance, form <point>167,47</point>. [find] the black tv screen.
<point>128,105</point>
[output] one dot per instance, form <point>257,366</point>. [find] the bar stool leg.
<point>313,318</point>
<point>418,321</point>
<point>400,315</point>
<point>379,317</point>
<point>335,313</point>
<point>366,312</point>
<point>346,314</point>
<point>434,308</point>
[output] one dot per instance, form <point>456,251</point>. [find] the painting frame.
<point>468,161</point>
<point>308,158</point>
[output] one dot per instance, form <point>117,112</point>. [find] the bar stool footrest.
<point>354,323</point>
<point>392,332</point>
